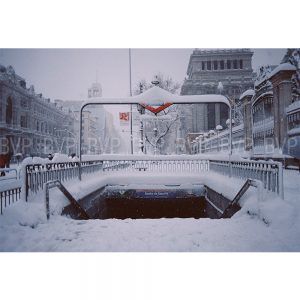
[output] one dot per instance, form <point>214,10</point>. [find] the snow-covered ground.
<point>268,225</point>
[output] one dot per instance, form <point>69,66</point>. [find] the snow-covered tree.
<point>160,131</point>
<point>163,81</point>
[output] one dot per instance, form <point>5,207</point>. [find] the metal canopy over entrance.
<point>157,97</point>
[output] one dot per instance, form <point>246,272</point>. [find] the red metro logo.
<point>158,109</point>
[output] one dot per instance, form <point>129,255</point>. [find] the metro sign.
<point>158,109</point>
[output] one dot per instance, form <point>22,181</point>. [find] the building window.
<point>23,122</point>
<point>203,65</point>
<point>241,64</point>
<point>209,65</point>
<point>222,64</point>
<point>9,111</point>
<point>228,64</point>
<point>215,65</point>
<point>235,64</point>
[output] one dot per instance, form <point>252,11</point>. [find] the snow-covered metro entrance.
<point>154,201</point>
<point>146,200</point>
<point>143,201</point>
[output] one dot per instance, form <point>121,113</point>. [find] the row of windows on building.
<point>294,120</point>
<point>222,65</point>
<point>262,134</point>
<point>41,110</point>
<point>41,126</point>
<point>47,113</point>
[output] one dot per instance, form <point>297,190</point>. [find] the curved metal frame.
<point>130,103</point>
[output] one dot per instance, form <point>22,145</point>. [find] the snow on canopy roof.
<point>159,96</point>
<point>249,92</point>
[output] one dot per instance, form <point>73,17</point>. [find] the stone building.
<point>99,134</point>
<point>271,115</point>
<point>225,71</point>
<point>276,110</point>
<point>30,124</point>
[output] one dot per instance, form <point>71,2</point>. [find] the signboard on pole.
<point>124,118</point>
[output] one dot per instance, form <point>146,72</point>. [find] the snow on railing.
<point>270,173</point>
<point>36,175</point>
<point>166,165</point>
<point>8,197</point>
<point>10,187</point>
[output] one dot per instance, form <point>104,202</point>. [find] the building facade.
<point>99,134</point>
<point>271,115</point>
<point>228,72</point>
<point>30,124</point>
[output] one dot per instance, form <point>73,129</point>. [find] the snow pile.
<point>24,214</point>
<point>269,224</point>
<point>34,160</point>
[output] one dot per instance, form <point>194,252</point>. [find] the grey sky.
<point>67,73</point>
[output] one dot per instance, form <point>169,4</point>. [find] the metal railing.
<point>166,165</point>
<point>270,173</point>
<point>8,197</point>
<point>37,175</point>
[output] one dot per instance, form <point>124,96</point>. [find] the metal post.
<point>80,143</point>
<point>130,92</point>
<point>230,132</point>
<point>230,140</point>
<point>26,184</point>
<point>142,137</point>
<point>264,126</point>
<point>280,181</point>
<point>47,201</point>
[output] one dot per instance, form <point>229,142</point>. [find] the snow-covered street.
<point>24,228</point>
<point>241,233</point>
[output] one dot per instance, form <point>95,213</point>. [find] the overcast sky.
<point>67,73</point>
